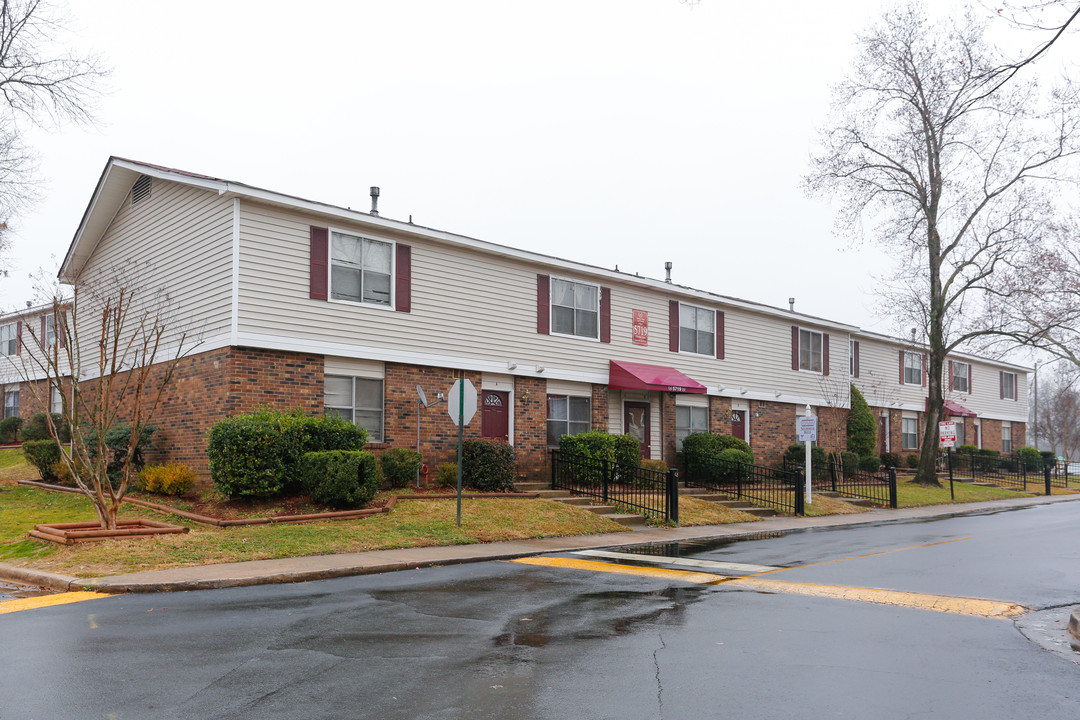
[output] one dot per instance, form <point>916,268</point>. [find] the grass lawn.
<point>702,512</point>
<point>909,495</point>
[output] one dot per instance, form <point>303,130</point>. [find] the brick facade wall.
<point>530,427</point>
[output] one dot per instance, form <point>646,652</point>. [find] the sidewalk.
<point>319,567</point>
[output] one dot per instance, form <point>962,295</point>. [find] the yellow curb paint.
<point>936,603</point>
<point>32,603</point>
<point>896,598</point>
<point>860,557</point>
<point>699,578</point>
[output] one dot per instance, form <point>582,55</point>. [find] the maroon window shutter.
<point>922,359</point>
<point>950,377</point>
<point>18,338</point>
<point>403,278</point>
<point>901,367</point>
<point>673,325</point>
<point>41,337</point>
<point>719,335</point>
<point>971,376</point>
<point>543,304</point>
<point>605,314</point>
<point>825,353</point>
<point>1001,380</point>
<point>318,274</point>
<point>855,352</point>
<point>794,347</point>
<point>60,334</point>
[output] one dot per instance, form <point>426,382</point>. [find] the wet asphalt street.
<point>508,640</point>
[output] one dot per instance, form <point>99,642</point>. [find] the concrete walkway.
<point>318,567</point>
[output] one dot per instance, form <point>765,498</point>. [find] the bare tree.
<point>947,168</point>
<point>110,356</point>
<point>1059,410</point>
<point>44,84</point>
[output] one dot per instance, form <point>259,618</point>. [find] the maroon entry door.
<point>738,424</point>
<point>636,423</point>
<point>495,415</point>
<point>881,435</point>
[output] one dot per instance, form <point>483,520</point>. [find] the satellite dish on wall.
<point>423,397</point>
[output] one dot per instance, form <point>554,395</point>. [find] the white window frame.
<point>582,425</point>
<point>551,309</point>
<point>966,378</point>
<point>1008,378</point>
<point>851,357</point>
<point>1006,437</point>
<point>810,352</point>
<point>11,409</point>
<point>690,419</point>
<point>904,433</point>
<point>56,400</point>
<point>711,352</point>
<point>9,345</point>
<point>915,369</point>
<point>330,269</point>
<point>353,408</point>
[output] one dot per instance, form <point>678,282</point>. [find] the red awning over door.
<point>639,376</point>
<point>955,409</point>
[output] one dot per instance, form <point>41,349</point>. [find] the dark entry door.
<point>636,423</point>
<point>882,433</point>
<point>738,424</point>
<point>495,415</point>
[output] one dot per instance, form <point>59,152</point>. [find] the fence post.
<point>553,461</point>
<point>800,493</point>
<point>605,476</point>
<point>1023,470</point>
<point>832,473</point>
<point>893,500</point>
<point>952,491</point>
<point>1046,476</point>
<point>673,495</point>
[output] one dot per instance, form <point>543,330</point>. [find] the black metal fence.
<point>1009,471</point>
<point>650,492</point>
<point>852,481</point>
<point>782,489</point>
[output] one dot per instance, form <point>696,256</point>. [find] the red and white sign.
<point>947,434</point>
<point>641,327</point>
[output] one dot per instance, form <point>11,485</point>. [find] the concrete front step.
<point>626,519</point>
<point>532,486</point>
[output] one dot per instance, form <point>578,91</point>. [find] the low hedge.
<point>702,454</point>
<point>890,459</point>
<point>623,452</point>
<point>36,427</point>
<point>9,429</point>
<point>732,462</point>
<point>870,463</point>
<point>399,466</point>
<point>488,465</point>
<point>258,454</point>
<point>42,454</point>
<point>173,479</point>
<point>795,455</point>
<point>1030,457</point>
<point>849,460</point>
<point>340,478</point>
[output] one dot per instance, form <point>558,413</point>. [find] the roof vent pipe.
<point>667,269</point>
<point>791,304</point>
<point>374,200</point>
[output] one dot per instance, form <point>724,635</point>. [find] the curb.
<point>264,572</point>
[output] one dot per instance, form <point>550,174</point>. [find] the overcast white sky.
<point>620,132</point>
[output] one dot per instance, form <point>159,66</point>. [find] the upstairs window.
<point>9,339</point>
<point>697,330</point>
<point>1008,386</point>
<point>961,372</point>
<point>360,269</point>
<point>50,330</point>
<point>575,308</point>
<point>810,353</point>
<point>913,363</point>
<point>567,415</point>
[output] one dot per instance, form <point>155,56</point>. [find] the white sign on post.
<point>806,429</point>
<point>456,406</point>
<point>947,434</point>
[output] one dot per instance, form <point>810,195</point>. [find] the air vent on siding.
<point>141,189</point>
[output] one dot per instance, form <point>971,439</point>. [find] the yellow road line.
<point>860,557</point>
<point>699,578</point>
<point>32,603</point>
<point>920,601</point>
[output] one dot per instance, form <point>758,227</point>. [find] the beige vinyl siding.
<point>986,398</point>
<point>178,240</point>
<point>470,305</point>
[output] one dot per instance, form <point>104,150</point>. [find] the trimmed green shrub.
<point>172,479</point>
<point>987,452</point>
<point>701,453</point>
<point>9,429</point>
<point>399,466</point>
<point>1049,457</point>
<point>1030,457</point>
<point>622,451</point>
<point>796,455</point>
<point>849,460</point>
<point>37,427</point>
<point>861,426</point>
<point>912,460</point>
<point>870,463</point>
<point>966,449</point>
<point>731,462</point>
<point>890,459</point>
<point>340,478</point>
<point>488,465</point>
<point>258,454</point>
<point>42,454</point>
<point>446,474</point>
<point>118,440</point>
